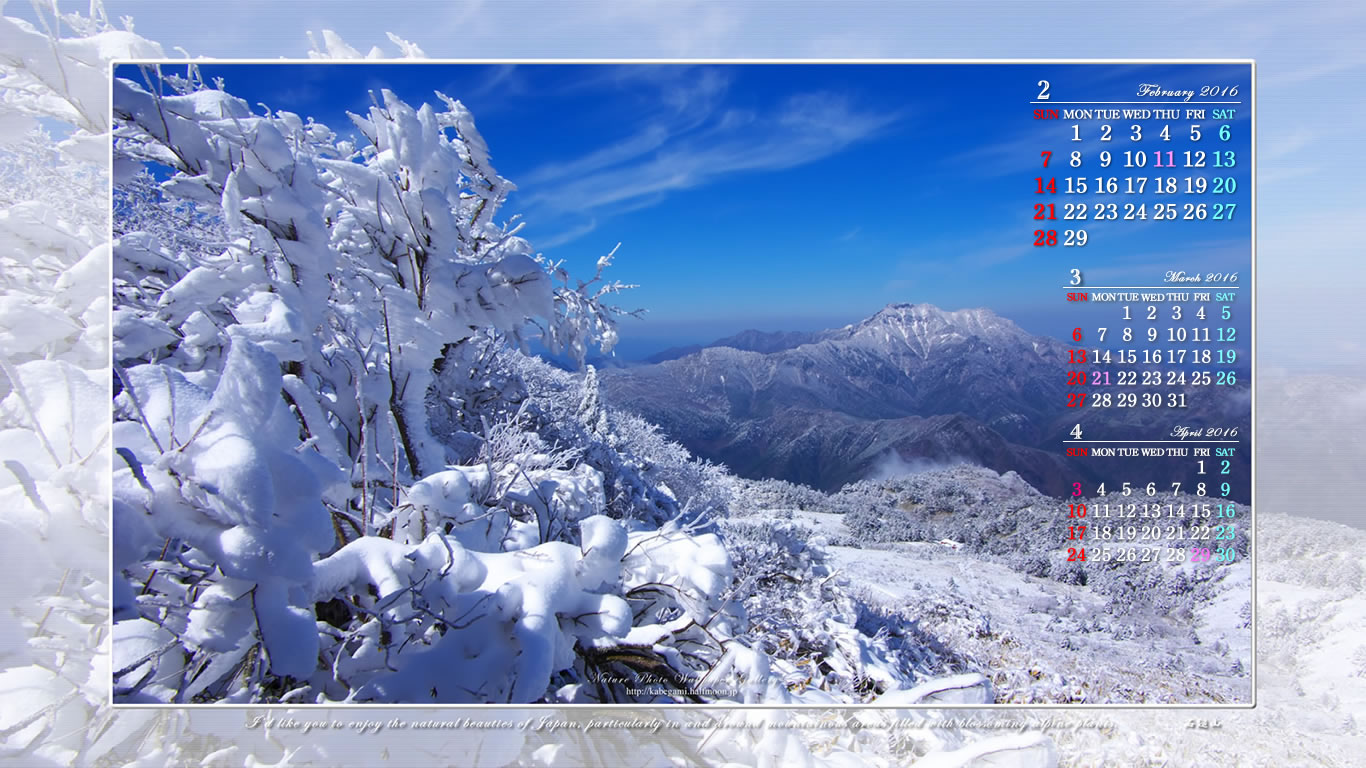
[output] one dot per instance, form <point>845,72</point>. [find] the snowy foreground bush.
<point>337,478</point>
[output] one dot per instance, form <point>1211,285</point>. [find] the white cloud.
<point>569,235</point>
<point>647,139</point>
<point>702,146</point>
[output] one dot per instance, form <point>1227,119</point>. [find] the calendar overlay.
<point>1157,415</point>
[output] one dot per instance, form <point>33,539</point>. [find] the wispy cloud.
<point>693,141</point>
<point>569,235</point>
<point>500,78</point>
<point>647,139</point>
<point>684,100</point>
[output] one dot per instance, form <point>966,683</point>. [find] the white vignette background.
<point>1312,612</point>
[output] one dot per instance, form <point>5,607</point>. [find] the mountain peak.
<point>906,309</point>
<point>923,328</point>
<point>928,317</point>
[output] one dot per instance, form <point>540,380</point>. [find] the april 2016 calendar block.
<point>941,394</point>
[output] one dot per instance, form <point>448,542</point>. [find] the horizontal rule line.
<point>1135,102</point>
<point>1152,441</point>
<point>1147,287</point>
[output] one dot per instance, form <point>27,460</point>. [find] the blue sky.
<point>802,196</point>
<point>1310,65</point>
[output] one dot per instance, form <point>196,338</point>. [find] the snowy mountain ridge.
<point>927,324</point>
<point>928,383</point>
<point>910,383</point>
<point>925,327</point>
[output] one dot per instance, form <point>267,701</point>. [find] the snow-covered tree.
<point>275,378</point>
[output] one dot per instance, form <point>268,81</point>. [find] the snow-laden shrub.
<point>967,504</point>
<point>246,515</point>
<point>286,304</point>
<point>780,494</point>
<point>699,486</point>
<point>359,267</point>
<point>289,526</point>
<point>647,477</point>
<point>823,642</point>
<point>436,621</point>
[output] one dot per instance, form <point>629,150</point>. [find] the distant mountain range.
<point>766,342</point>
<point>911,383</point>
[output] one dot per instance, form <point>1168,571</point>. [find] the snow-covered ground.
<point>1043,641</point>
<point>1311,672</point>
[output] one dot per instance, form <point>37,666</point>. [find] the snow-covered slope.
<point>977,563</point>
